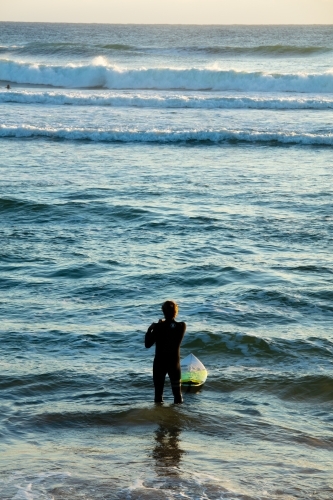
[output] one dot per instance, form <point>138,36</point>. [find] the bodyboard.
<point>194,374</point>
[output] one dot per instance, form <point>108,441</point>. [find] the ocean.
<point>146,163</point>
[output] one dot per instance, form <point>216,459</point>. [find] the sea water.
<point>145,163</point>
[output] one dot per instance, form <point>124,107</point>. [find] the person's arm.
<point>150,337</point>
<point>182,331</point>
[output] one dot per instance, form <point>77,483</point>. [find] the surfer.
<point>167,335</point>
<point>8,87</point>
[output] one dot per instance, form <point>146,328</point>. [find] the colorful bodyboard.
<point>194,374</point>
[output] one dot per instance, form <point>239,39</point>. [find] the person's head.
<point>170,309</point>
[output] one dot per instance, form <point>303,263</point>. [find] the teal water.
<point>110,207</point>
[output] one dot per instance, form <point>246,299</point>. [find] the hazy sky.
<point>170,11</point>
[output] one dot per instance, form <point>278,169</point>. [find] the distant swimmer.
<point>8,87</point>
<point>167,335</point>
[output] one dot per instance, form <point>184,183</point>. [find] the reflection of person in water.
<point>167,452</point>
<point>167,335</point>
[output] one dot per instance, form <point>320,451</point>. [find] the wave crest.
<point>166,100</point>
<point>162,136</point>
<point>102,75</point>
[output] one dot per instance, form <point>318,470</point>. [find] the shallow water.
<point>109,209</point>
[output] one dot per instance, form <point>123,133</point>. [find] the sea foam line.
<point>167,136</point>
<point>101,74</point>
<point>164,101</point>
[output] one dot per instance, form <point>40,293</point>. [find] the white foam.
<point>30,490</point>
<point>100,74</point>
<point>163,100</point>
<point>24,493</point>
<point>167,136</point>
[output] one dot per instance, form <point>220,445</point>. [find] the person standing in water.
<point>167,335</point>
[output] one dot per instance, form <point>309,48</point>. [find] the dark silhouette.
<point>167,335</point>
<point>8,87</point>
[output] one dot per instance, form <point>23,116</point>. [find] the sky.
<point>170,11</point>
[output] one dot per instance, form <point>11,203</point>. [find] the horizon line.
<point>169,24</point>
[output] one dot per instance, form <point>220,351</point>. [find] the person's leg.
<point>175,375</point>
<point>159,373</point>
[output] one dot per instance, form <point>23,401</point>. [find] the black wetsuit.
<point>167,335</point>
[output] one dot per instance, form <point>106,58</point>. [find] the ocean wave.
<point>102,75</point>
<point>144,416</point>
<point>162,136</point>
<point>83,389</point>
<point>266,50</point>
<point>85,49</point>
<point>188,101</point>
<point>15,205</point>
<point>245,345</point>
<point>288,386</point>
<point>67,49</point>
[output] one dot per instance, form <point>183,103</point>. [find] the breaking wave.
<point>102,75</point>
<point>171,100</point>
<point>163,136</point>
